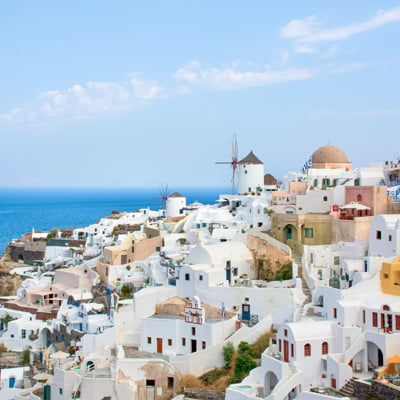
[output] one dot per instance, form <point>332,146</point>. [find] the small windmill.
<point>164,196</point>
<point>234,161</point>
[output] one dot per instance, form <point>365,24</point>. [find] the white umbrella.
<point>58,355</point>
<point>353,205</point>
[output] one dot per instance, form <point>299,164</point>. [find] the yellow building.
<point>390,277</point>
<point>298,229</point>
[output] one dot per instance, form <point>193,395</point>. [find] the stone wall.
<point>27,251</point>
<point>203,394</point>
<point>377,390</point>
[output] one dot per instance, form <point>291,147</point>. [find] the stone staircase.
<point>306,290</point>
<point>348,389</point>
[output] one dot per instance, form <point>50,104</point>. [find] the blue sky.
<point>134,94</point>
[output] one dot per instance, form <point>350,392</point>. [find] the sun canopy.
<point>393,360</point>
<point>353,205</point>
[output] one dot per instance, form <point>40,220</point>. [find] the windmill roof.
<point>251,159</point>
<point>176,194</point>
<point>269,180</point>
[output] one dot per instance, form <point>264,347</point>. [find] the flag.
<point>223,312</point>
<point>307,165</point>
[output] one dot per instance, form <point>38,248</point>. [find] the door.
<point>285,351</point>
<point>159,345</point>
<point>380,358</point>
<point>194,345</point>
<point>11,382</point>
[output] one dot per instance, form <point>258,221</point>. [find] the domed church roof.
<point>329,154</point>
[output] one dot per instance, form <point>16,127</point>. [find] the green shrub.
<point>227,353</point>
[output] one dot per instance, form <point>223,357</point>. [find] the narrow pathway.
<point>304,285</point>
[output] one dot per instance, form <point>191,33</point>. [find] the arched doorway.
<point>290,233</point>
<point>375,356</point>
<point>270,382</point>
<point>45,337</point>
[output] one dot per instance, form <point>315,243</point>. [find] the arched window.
<point>359,197</point>
<point>385,307</point>
<point>307,350</point>
<point>90,366</point>
<point>325,348</point>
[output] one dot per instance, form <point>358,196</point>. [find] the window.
<point>382,321</point>
<point>187,277</point>
<point>336,260</point>
<point>390,238</point>
<point>285,332</point>
<point>335,313</point>
<point>150,382</point>
<point>203,344</point>
<point>325,198</point>
<point>374,319</point>
<point>23,333</point>
<point>292,350</point>
<point>60,390</point>
<point>200,277</point>
<point>307,350</point>
<point>379,235</point>
<point>169,342</point>
<point>315,182</point>
<point>359,197</point>
<point>363,316</point>
<point>193,330</point>
<point>280,345</point>
<point>325,348</point>
<point>386,276</point>
<point>398,322</point>
<point>149,340</point>
<point>308,232</point>
<point>183,341</point>
<point>325,182</point>
<point>235,272</point>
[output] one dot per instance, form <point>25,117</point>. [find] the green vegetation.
<point>126,291</point>
<point>266,271</point>
<point>238,363</point>
<point>25,357</point>
<point>228,352</point>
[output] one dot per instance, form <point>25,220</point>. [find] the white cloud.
<point>348,67</point>
<point>331,52</point>
<point>92,99</point>
<point>306,32</point>
<point>300,27</point>
<point>195,74</point>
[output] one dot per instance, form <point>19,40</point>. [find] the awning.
<point>354,205</point>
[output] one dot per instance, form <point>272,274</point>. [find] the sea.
<point>45,208</point>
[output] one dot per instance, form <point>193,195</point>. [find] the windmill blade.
<point>234,160</point>
<point>164,195</point>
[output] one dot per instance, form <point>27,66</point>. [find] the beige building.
<point>330,157</point>
<point>298,229</point>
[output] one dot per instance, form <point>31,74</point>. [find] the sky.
<point>143,93</point>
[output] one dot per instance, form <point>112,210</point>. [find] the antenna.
<point>234,161</point>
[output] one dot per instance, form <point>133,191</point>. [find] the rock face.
<point>8,283</point>
<point>26,251</point>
